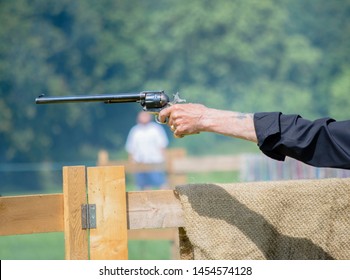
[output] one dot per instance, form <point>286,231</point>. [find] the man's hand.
<point>186,119</point>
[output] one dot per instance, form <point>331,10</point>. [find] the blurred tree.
<point>339,102</point>
<point>62,48</point>
<point>242,55</point>
<point>326,25</point>
<point>237,51</point>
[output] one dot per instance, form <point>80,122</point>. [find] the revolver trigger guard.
<point>156,118</point>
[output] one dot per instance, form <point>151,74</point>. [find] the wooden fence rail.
<point>177,162</point>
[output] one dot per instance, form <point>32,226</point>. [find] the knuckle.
<point>175,115</point>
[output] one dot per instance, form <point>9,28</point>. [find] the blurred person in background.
<point>324,142</point>
<point>146,144</point>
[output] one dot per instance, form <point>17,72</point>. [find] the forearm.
<point>233,124</point>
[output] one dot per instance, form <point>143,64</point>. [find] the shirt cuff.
<point>268,132</point>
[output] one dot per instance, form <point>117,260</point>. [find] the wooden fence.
<point>250,167</point>
<point>100,192</point>
<point>94,212</point>
<point>178,164</point>
<point>98,216</point>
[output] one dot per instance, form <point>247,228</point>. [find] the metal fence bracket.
<point>88,216</point>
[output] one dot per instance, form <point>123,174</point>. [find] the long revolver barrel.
<point>151,101</point>
<point>106,98</point>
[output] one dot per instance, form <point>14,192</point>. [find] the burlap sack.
<point>297,219</point>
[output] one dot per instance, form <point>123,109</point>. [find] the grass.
<point>50,246</point>
<point>43,246</point>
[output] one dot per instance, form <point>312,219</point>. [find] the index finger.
<point>164,114</point>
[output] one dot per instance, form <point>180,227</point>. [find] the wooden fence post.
<point>106,189</point>
<point>74,195</point>
<point>172,156</point>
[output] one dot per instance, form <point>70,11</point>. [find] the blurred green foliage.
<point>272,55</point>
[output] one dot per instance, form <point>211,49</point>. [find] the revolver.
<point>151,101</point>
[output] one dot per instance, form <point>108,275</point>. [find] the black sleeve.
<point>323,142</point>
